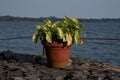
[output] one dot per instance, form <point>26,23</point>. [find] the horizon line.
<point>52,17</point>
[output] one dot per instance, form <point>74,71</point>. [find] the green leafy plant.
<point>66,31</point>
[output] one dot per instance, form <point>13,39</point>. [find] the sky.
<point>60,8</point>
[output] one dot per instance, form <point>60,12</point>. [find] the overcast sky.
<point>60,8</point>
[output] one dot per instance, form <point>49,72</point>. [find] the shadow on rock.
<point>11,56</point>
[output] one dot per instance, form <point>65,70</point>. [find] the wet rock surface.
<point>16,66</point>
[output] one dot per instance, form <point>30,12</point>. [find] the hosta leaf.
<point>77,37</point>
<point>35,37</point>
<point>48,23</point>
<point>66,18</point>
<point>49,37</point>
<point>77,27</point>
<point>83,39</point>
<point>75,20</point>
<point>69,39</point>
<point>60,33</point>
<point>54,25</point>
<point>44,28</point>
<point>39,27</point>
<point>64,38</point>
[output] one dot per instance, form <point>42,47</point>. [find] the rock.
<point>7,78</point>
<point>15,78</point>
<point>68,76</point>
<point>115,78</point>
<point>59,78</point>
<point>31,78</point>
<point>47,77</point>
<point>79,75</point>
<point>15,73</point>
<point>16,66</point>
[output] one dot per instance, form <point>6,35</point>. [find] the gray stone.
<point>115,77</point>
<point>31,78</point>
<point>59,78</point>
<point>79,75</point>
<point>82,69</point>
<point>15,73</point>
<point>17,78</point>
<point>47,77</point>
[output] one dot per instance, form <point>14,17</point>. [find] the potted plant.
<point>57,38</point>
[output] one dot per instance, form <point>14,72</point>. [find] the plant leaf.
<point>69,39</point>
<point>77,37</point>
<point>38,27</point>
<point>75,20</point>
<point>35,37</point>
<point>60,32</point>
<point>83,39</point>
<point>49,37</point>
<point>64,38</point>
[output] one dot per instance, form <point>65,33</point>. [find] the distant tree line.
<point>12,18</point>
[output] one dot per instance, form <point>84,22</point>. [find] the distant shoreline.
<point>16,19</point>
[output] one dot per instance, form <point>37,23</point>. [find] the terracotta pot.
<point>57,55</point>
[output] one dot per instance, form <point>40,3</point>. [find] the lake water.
<point>107,51</point>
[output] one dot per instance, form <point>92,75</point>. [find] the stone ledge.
<point>17,66</point>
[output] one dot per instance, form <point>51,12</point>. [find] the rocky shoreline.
<point>17,66</point>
